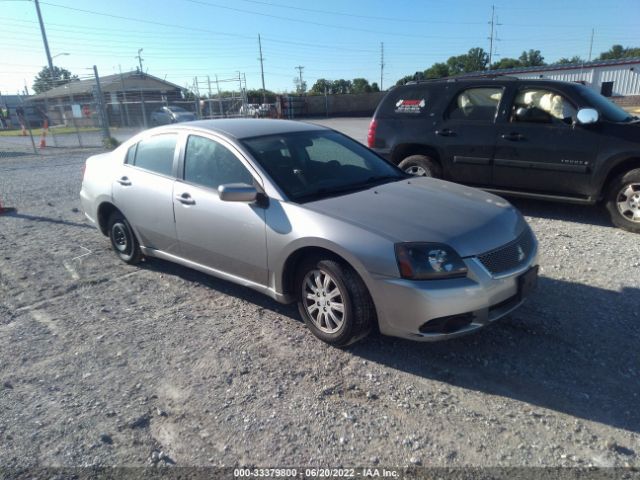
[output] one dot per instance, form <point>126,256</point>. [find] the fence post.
<point>103,112</point>
<point>144,110</point>
<point>73,119</point>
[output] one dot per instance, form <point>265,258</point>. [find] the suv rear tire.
<point>421,166</point>
<point>623,201</point>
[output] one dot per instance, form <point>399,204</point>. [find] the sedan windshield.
<point>316,164</point>
<point>609,110</point>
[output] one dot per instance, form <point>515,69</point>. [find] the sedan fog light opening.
<point>424,261</point>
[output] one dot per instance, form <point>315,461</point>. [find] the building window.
<point>606,89</point>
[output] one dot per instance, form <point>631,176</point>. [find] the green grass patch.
<point>54,131</point>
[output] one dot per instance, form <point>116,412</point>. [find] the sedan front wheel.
<point>333,301</point>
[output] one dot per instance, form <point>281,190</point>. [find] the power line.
<point>354,15</point>
<point>308,22</point>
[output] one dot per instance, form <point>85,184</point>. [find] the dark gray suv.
<point>533,138</point>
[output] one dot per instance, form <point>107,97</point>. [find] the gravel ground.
<point>102,363</point>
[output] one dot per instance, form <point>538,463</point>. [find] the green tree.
<point>437,70</point>
<point>256,96</point>
<point>342,86</point>
<point>360,85</point>
<point>45,80</point>
<point>474,60</point>
<point>322,85</point>
<point>567,61</point>
<point>506,63</point>
<point>531,58</point>
<point>618,51</point>
<point>404,80</point>
<point>375,87</point>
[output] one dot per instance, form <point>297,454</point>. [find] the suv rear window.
<point>477,104</point>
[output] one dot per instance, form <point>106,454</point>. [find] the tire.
<point>123,240</point>
<point>421,166</point>
<point>325,319</point>
<point>623,201</point>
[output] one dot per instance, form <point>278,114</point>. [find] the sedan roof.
<point>251,127</point>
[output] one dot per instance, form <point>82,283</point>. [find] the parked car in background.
<point>532,138</point>
<point>171,114</point>
<point>305,214</point>
<point>257,110</point>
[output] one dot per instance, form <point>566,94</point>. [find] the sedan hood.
<point>429,210</point>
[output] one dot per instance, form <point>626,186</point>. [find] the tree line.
<point>476,59</point>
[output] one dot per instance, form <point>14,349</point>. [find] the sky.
<point>187,39</point>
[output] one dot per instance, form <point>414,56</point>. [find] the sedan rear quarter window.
<point>156,154</point>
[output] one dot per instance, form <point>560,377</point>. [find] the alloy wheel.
<point>416,170</point>
<point>628,202</point>
<point>323,301</point>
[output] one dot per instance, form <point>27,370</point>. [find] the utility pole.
<point>492,22</point>
<point>261,58</point>
<point>124,97</point>
<point>219,97</point>
<point>44,38</point>
<point>103,112</point>
<point>140,59</point>
<point>381,64</point>
<point>300,68</point>
<point>591,45</point>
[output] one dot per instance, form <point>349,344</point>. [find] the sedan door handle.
<point>513,136</point>
<point>185,199</point>
<point>124,181</point>
<point>445,132</point>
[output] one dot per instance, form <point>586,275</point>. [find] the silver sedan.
<point>305,214</point>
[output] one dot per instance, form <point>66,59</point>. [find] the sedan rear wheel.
<point>123,239</point>
<point>333,301</point>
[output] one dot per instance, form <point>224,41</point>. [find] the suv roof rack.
<point>491,76</point>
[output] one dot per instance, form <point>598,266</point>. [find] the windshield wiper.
<point>352,187</point>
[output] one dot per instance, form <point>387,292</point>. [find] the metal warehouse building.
<point>619,78</point>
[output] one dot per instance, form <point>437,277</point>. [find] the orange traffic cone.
<point>43,137</point>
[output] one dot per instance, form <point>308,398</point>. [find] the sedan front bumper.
<point>431,310</point>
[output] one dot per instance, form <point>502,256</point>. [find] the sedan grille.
<point>510,256</point>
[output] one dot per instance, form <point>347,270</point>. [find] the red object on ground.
<point>4,210</point>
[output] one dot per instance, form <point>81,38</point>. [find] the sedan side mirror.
<point>237,192</point>
<point>587,116</point>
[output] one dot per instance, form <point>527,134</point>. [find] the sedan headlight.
<point>425,261</point>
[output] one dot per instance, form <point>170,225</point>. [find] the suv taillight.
<point>371,135</point>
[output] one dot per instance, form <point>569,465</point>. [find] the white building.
<point>612,78</point>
